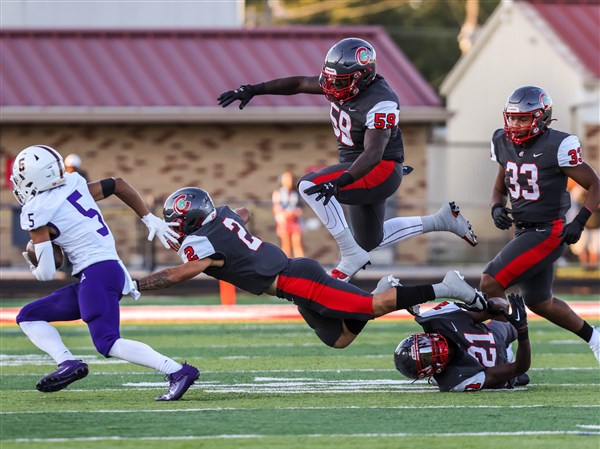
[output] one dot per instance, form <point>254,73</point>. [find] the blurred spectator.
<point>287,213</point>
<point>587,249</point>
<point>73,164</point>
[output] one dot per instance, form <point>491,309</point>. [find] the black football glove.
<point>328,189</point>
<point>243,93</point>
<point>500,216</point>
<point>572,232</point>
<point>518,315</point>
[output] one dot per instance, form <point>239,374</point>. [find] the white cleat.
<point>456,223</point>
<point>387,282</point>
<point>459,289</point>
<point>349,265</point>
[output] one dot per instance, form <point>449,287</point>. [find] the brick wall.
<point>237,164</point>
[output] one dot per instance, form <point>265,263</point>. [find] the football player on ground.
<point>463,354</point>
<point>535,162</point>
<point>215,241</point>
<point>364,112</point>
<point>61,207</point>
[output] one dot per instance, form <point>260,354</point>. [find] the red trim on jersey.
<point>378,175</point>
<point>329,297</point>
<point>531,257</point>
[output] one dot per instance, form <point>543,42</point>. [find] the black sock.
<point>408,296</point>
<point>586,331</point>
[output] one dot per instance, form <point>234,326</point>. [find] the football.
<point>58,254</point>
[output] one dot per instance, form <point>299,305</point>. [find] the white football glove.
<point>161,229</point>
<point>28,260</point>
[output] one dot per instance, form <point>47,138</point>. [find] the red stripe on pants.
<point>328,297</point>
<point>531,257</point>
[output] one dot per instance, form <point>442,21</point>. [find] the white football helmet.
<point>36,169</point>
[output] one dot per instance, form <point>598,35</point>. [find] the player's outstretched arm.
<point>280,86</point>
<point>497,375</point>
<point>175,275</point>
<point>127,193</point>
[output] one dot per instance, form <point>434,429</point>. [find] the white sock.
<point>45,336</point>
<point>400,228</point>
<point>332,215</point>
<point>441,290</point>
<point>142,354</point>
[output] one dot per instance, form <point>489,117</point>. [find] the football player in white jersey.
<point>364,113</point>
<point>60,207</point>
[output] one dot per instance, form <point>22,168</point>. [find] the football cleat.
<point>179,382</point>
<point>456,223</point>
<point>387,282</point>
<point>460,289</point>
<point>68,372</point>
<point>350,264</point>
<point>522,380</point>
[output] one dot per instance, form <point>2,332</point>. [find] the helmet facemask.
<point>36,169</point>
<point>349,68</point>
<point>421,355</point>
<point>191,208</point>
<point>531,102</point>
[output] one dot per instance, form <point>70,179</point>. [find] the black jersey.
<point>250,263</point>
<point>377,107</point>
<point>536,185</point>
<point>475,347</point>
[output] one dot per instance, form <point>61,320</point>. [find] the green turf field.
<point>274,385</point>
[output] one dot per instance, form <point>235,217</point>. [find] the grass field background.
<point>275,385</point>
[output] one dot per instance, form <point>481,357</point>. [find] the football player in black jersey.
<point>215,241</point>
<point>462,353</point>
<point>534,164</point>
<point>364,113</point>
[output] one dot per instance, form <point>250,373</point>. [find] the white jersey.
<point>81,230</point>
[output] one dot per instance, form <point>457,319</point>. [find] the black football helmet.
<point>191,207</point>
<point>527,101</point>
<point>421,355</point>
<point>350,66</point>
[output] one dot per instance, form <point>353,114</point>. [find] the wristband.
<point>583,216</point>
<point>108,186</point>
<point>523,335</point>
<point>345,179</point>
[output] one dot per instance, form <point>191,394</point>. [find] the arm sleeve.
<point>46,269</point>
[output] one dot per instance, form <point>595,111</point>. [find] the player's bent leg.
<point>329,330</point>
<point>491,287</point>
<point>449,218</point>
<point>558,312</point>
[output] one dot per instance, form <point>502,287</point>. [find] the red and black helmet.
<point>350,66</point>
<point>421,355</point>
<point>527,101</point>
<point>191,207</point>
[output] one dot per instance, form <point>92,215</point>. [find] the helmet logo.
<point>22,164</point>
<point>180,204</point>
<point>545,100</point>
<point>362,55</point>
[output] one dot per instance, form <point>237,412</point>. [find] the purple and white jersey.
<point>377,107</point>
<point>81,231</point>
<point>536,185</point>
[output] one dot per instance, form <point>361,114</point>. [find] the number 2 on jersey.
<point>253,242</point>
<point>90,213</point>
